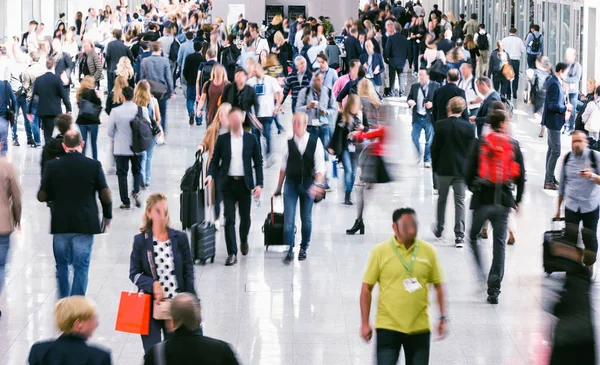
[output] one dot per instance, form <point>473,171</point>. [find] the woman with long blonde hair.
<point>212,90</point>
<point>88,122</point>
<point>115,96</point>
<point>369,99</point>
<point>350,119</point>
<point>125,69</point>
<point>219,125</point>
<point>142,97</point>
<point>161,263</point>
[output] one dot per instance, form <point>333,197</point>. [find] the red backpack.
<point>497,163</point>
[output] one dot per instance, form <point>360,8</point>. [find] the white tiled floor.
<point>306,313</point>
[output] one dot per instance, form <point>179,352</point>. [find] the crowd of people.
<point>127,64</point>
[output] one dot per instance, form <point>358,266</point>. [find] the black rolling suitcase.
<point>554,241</point>
<point>203,235</point>
<point>191,199</point>
<point>273,228</point>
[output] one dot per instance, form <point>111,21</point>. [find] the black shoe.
<point>289,258</point>
<point>359,226</point>
<point>492,300</point>
<point>35,145</point>
<point>143,186</point>
<point>436,233</point>
<point>302,255</point>
<point>231,260</point>
<point>16,143</point>
<point>125,206</point>
<point>191,121</point>
<point>136,200</point>
<point>30,142</point>
<point>347,200</point>
<point>244,247</point>
<point>459,242</point>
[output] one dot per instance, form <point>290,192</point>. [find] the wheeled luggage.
<point>203,236</point>
<point>556,240</point>
<point>191,199</point>
<point>273,228</point>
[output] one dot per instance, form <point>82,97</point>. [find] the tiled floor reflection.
<point>306,313</point>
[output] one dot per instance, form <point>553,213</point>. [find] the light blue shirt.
<point>329,78</point>
<point>579,194</point>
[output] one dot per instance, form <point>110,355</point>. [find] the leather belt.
<point>236,177</point>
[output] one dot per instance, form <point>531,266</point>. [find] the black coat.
<point>414,94</point>
<point>68,350</point>
<point>50,91</point>
<point>441,98</point>
<point>339,140</point>
<point>185,347</point>
<point>221,160</point>
<point>451,144</point>
<point>53,149</point>
<point>191,67</point>
<point>353,48</point>
<point>482,113</point>
<point>89,95</point>
<point>285,56</point>
<point>114,51</point>
<point>396,50</point>
<point>64,64</point>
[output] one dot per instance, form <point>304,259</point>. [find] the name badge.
<point>351,148</point>
<point>412,285</point>
<point>315,122</point>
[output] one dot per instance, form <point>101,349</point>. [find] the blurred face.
<point>423,77</point>
<point>570,57</point>
<point>406,228</point>
<point>389,27</point>
<point>590,86</point>
<point>224,118</point>
<point>323,65</point>
<point>240,79</point>
<point>354,71</point>
<point>301,66</point>
<point>318,81</point>
<point>299,125</point>
<point>482,87</point>
<point>158,214</point>
<point>235,121</point>
<point>93,13</point>
<point>466,71</point>
<point>578,143</point>
<point>86,328</point>
<point>86,47</point>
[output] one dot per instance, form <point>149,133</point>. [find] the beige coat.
<point>10,197</point>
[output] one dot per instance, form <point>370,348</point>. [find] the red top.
<point>379,134</point>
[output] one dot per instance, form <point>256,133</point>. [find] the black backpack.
<point>509,105</point>
<point>205,75</point>
<point>482,42</point>
<point>141,133</point>
<point>536,44</point>
<point>174,50</point>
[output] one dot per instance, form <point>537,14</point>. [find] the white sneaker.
<point>427,165</point>
<point>217,224</point>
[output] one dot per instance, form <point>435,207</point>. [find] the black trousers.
<point>389,344</point>
<point>48,126</point>
<point>235,191</point>
<point>514,84</point>
<point>122,171</point>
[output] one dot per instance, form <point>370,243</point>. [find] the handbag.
<point>437,70</point>
<point>10,114</point>
<point>508,71</point>
<point>89,110</point>
<point>133,315</point>
<point>157,89</point>
<point>161,310</point>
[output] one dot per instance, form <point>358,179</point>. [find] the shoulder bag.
<point>508,71</point>
<point>89,110</point>
<point>10,114</point>
<point>161,311</point>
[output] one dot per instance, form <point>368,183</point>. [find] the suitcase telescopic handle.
<point>272,213</point>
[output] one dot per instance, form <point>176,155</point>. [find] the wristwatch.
<point>444,319</point>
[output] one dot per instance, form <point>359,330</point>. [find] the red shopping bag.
<point>134,313</point>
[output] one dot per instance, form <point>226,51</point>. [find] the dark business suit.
<point>353,49</point>
<point>450,148</point>
<point>50,91</point>
<point>422,122</point>
<point>553,117</point>
<point>376,60</point>
<point>482,114</point>
<point>139,266</point>
<point>236,189</point>
<point>186,347</point>
<point>114,51</point>
<point>441,99</point>
<point>67,350</point>
<point>395,53</point>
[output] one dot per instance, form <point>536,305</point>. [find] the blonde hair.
<point>212,132</point>
<point>124,68</point>
<point>88,82</point>
<point>366,90</point>
<point>69,310</point>
<point>120,83</point>
<point>278,38</point>
<point>150,203</point>
<point>352,99</point>
<point>213,74</point>
<point>141,94</point>
<point>276,19</point>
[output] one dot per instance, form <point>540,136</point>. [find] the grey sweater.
<point>573,76</point>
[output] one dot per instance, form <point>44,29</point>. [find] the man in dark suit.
<point>373,65</point>
<point>187,345</point>
<point>449,150</point>
<point>445,93</point>
<point>71,183</point>
<point>234,154</point>
<point>395,54</point>
<point>50,91</point>
<point>241,96</point>
<point>553,117</point>
<point>114,51</point>
<point>484,86</point>
<point>76,318</point>
<point>352,46</point>
<point>420,99</point>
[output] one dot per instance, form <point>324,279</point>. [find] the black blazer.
<point>353,48</point>
<point>442,97</point>
<point>451,145</point>
<point>414,94</point>
<point>71,184</point>
<point>114,51</point>
<point>184,265</point>
<point>396,50</point>
<point>67,350</point>
<point>249,100</point>
<point>186,347</point>
<point>482,113</point>
<point>339,140</point>
<point>50,91</point>
<point>221,159</point>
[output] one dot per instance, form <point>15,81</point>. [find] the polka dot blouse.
<point>165,267</point>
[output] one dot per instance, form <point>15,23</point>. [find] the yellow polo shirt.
<point>397,309</point>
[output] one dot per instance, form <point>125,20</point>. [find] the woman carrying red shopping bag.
<point>162,259</point>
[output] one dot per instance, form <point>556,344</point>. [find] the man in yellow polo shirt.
<point>403,266</point>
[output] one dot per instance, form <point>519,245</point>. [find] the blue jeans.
<point>422,123</point>
<point>350,163</point>
<point>573,99</point>
<point>389,343</point>
<point>4,246</point>
<point>552,155</point>
<point>92,130</point>
<point>276,120</point>
<point>72,249</point>
<point>293,192</point>
<point>22,104</point>
<point>190,103</point>
<point>4,135</point>
<point>146,169</point>
<point>266,123</point>
<point>35,123</point>
<point>162,106</point>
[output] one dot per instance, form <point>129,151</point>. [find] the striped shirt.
<point>295,85</point>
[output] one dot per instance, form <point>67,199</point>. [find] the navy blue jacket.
<point>353,48</point>
<point>67,350</point>
<point>50,91</point>
<point>4,87</point>
<point>143,244</point>
<point>482,113</point>
<point>221,159</point>
<point>396,50</point>
<point>377,61</point>
<point>414,94</point>
<point>555,106</point>
<point>442,97</point>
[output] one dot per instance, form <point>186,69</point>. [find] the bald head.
<point>72,141</point>
<point>185,310</point>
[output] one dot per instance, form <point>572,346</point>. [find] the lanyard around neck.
<point>409,268</point>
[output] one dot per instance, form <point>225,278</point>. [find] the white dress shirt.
<point>470,92</point>
<point>236,166</point>
<point>301,143</point>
